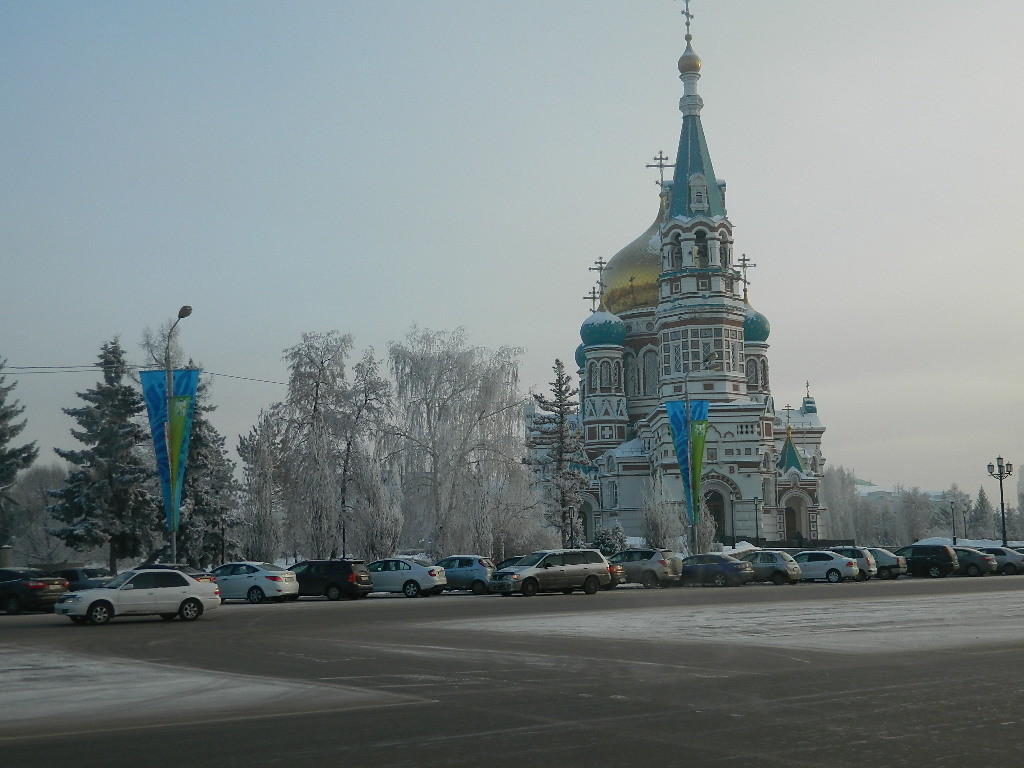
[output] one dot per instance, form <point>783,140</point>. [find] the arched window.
<point>753,377</point>
<point>700,250</point>
<point>650,373</point>
<point>606,374</point>
<point>617,375</point>
<point>593,377</point>
<point>629,363</point>
<point>764,374</point>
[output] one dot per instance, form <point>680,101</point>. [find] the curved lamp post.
<point>1000,471</point>
<point>184,312</point>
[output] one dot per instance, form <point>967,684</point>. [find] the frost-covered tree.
<point>107,500</point>
<point>13,458</point>
<point>982,521</point>
<point>261,504</point>
<point>378,507</point>
<point>915,511</point>
<point>955,508</point>
<point>659,521</point>
<point>609,540</point>
<point>209,494</point>
<point>839,492</point>
<point>457,419</point>
<point>31,541</point>
<point>707,529</point>
<point>557,436</point>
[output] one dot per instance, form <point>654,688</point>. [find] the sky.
<point>287,168</point>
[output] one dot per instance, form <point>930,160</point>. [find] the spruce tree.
<point>108,500</point>
<point>983,517</point>
<point>556,434</point>
<point>13,459</point>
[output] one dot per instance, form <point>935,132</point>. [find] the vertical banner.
<point>170,436</point>
<point>688,432</point>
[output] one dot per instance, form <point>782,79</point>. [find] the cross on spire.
<point>599,267</point>
<point>660,162</point>
<point>808,383</point>
<point>593,297</point>
<point>745,264</point>
<point>689,17</point>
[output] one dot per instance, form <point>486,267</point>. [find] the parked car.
<point>1009,562</point>
<point>255,582</point>
<point>196,573</point>
<point>890,566</point>
<point>558,570</point>
<point>508,561</point>
<point>83,578</point>
<point>974,562</point>
<point>714,568</point>
<point>649,567</point>
<point>410,576</point>
<point>617,571</point>
<point>470,572</point>
<point>866,566</point>
<point>29,589</point>
<point>773,566</point>
<point>160,591</point>
<point>935,560</point>
<point>823,564</point>
<point>333,579</point>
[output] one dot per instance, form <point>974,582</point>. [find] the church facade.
<point>675,323</point>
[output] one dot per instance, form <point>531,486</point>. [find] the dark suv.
<point>935,560</point>
<point>333,578</point>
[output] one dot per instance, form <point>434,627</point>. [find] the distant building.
<point>669,301</point>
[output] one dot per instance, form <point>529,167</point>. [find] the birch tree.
<point>261,507</point>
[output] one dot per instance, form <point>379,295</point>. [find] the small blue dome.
<point>603,327</point>
<point>581,356</point>
<point>755,326</point>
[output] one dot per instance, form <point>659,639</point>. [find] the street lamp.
<point>952,519</point>
<point>1001,471</point>
<point>709,362</point>
<point>757,522</point>
<point>172,523</point>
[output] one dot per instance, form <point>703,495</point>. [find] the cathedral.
<point>675,323</point>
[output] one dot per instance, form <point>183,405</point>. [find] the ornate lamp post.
<point>1001,471</point>
<point>182,313</point>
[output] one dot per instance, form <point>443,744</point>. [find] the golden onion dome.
<point>689,62</point>
<point>631,276</point>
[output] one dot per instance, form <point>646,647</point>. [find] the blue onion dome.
<point>755,326</point>
<point>581,356</point>
<point>603,327</point>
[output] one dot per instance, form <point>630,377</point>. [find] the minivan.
<point>553,570</point>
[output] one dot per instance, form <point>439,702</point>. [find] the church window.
<point>617,375</point>
<point>726,259</point>
<point>752,377</point>
<point>703,283</point>
<point>629,361</point>
<point>698,192</point>
<point>712,454</point>
<point>606,374</point>
<point>650,373</point>
<point>677,358</point>
<point>764,374</point>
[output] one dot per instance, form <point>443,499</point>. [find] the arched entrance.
<point>716,506</point>
<point>791,524</point>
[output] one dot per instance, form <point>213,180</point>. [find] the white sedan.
<point>255,582</point>
<point>409,575</point>
<point>166,593</point>
<point>830,566</point>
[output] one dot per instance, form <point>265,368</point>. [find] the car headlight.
<point>514,577</point>
<point>71,598</point>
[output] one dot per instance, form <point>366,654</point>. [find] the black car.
<point>935,560</point>
<point>29,589</point>
<point>333,578</point>
<point>83,578</point>
<point>714,568</point>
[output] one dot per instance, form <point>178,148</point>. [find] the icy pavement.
<point>888,625</point>
<point>69,688</point>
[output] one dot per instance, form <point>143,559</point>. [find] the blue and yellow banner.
<point>170,436</point>
<point>688,432</point>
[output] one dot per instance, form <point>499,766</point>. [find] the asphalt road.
<point>909,673</point>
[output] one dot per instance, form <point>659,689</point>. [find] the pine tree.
<point>609,540</point>
<point>209,493</point>
<point>13,459</point>
<point>982,520</point>
<point>556,435</point>
<point>107,500</point>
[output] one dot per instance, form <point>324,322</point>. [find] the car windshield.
<point>94,573</point>
<point>533,559</point>
<point>270,567</point>
<point>418,561</point>
<point>120,579</point>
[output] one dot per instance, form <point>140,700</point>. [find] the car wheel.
<point>100,613</point>
<point>885,573</point>
<point>478,588</point>
<point>719,580</point>
<point>861,576</point>
<point>973,570</point>
<point>529,588</point>
<point>168,616</point>
<point>935,572</point>
<point>778,579</point>
<point>12,605</point>
<point>833,576</point>
<point>255,596</point>
<point>333,592</point>
<point>1010,569</point>
<point>591,585</point>
<point>648,580</point>
<point>79,619</point>
<point>411,589</point>
<point>190,610</point>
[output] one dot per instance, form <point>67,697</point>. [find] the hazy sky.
<point>363,166</point>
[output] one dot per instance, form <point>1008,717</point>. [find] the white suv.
<point>163,592</point>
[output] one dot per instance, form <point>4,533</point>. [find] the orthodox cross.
<point>593,297</point>
<point>688,15</point>
<point>808,383</point>
<point>599,267</point>
<point>661,163</point>
<point>789,410</point>
<point>745,264</point>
